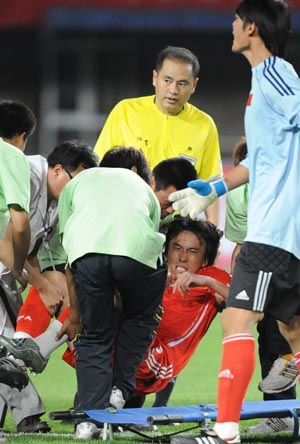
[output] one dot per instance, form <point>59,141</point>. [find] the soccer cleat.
<point>87,430</point>
<point>116,399</point>
<point>271,425</point>
<point>206,436</point>
<point>12,374</point>
<point>282,376</point>
<point>25,349</point>
<point>33,424</point>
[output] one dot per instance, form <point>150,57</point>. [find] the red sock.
<point>69,357</point>
<point>64,314</point>
<point>33,317</point>
<point>237,367</point>
<point>297,359</point>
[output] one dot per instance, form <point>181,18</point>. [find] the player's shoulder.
<point>216,273</point>
<point>277,75</point>
<point>36,162</point>
<point>135,102</point>
<point>198,114</point>
<point>7,149</point>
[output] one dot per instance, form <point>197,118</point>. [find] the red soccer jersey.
<point>185,321</point>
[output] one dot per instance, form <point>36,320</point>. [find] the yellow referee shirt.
<point>191,134</point>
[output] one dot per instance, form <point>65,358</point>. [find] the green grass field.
<point>196,384</point>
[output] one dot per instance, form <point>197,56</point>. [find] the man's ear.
<point>134,169</point>
<point>57,169</point>
<point>252,29</point>
<point>153,183</point>
<point>195,84</point>
<point>154,77</point>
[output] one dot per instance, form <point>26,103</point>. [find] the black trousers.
<point>141,289</point>
<point>271,345</point>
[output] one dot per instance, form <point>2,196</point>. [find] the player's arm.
<point>15,241</point>
<point>235,252</point>
<point>187,280</point>
<point>20,237</point>
<point>201,194</point>
<point>108,136</point>
<point>71,325</point>
<point>211,165</point>
<point>51,295</point>
<point>212,213</point>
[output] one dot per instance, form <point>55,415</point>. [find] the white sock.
<point>21,334</point>
<point>47,340</point>
<point>227,429</point>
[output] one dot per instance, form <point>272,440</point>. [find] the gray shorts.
<point>266,279</point>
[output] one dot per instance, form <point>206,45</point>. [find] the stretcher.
<point>201,414</point>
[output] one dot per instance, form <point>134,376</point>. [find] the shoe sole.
<point>13,378</point>
<point>270,392</point>
<point>9,348</point>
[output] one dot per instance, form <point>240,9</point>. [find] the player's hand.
<point>22,278</point>
<point>195,199</point>
<point>186,280</point>
<point>69,328</point>
<point>189,203</point>
<point>52,297</point>
<point>170,280</point>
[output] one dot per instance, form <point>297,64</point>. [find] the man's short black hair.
<point>205,231</point>
<point>72,154</point>
<point>127,157</point>
<point>16,118</point>
<point>178,53</point>
<point>273,20</point>
<point>175,171</point>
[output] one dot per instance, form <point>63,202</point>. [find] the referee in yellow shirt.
<point>165,125</point>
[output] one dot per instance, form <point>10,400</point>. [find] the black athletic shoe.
<point>33,424</point>
<point>12,374</point>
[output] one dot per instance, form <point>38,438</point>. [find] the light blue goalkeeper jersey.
<point>272,125</point>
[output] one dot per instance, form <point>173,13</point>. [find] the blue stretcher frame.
<point>197,413</point>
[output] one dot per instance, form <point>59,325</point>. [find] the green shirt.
<point>51,251</point>
<point>14,178</point>
<point>236,214</point>
<point>110,211</point>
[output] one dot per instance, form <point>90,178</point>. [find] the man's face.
<point>58,177</point>
<point>185,254</point>
<point>174,84</point>
<point>240,33</point>
<point>165,204</point>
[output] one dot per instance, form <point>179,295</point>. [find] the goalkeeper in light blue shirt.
<point>267,271</point>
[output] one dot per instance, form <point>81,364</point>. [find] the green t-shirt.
<point>110,211</point>
<point>14,178</point>
<point>236,214</point>
<point>51,251</point>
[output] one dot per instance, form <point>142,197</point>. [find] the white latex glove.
<point>195,199</point>
<point>190,203</point>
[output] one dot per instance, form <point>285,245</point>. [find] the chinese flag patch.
<point>249,101</point>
